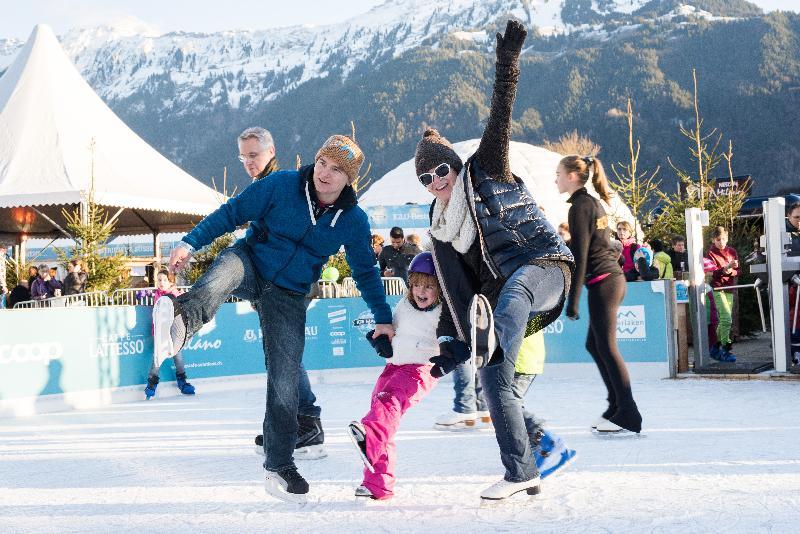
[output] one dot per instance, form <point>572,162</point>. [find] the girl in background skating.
<point>166,286</point>
<point>596,266</point>
<point>405,380</point>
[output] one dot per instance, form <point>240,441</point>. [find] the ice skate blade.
<point>458,427</point>
<point>274,489</point>
<point>488,502</point>
<point>163,317</point>
<point>312,452</point>
<point>362,457</point>
<point>619,434</point>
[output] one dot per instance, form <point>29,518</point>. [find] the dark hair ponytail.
<point>589,167</point>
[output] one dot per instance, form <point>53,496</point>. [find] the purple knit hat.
<point>422,263</point>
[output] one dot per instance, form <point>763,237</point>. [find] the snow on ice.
<point>718,456</point>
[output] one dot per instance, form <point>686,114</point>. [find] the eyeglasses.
<point>244,158</point>
<point>427,178</point>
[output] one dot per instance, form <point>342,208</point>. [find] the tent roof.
<point>535,165</point>
<point>58,140</point>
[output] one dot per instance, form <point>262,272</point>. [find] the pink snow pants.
<point>398,388</point>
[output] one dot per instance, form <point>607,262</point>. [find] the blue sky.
<point>17,17</point>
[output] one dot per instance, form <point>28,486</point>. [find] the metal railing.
<point>93,298</point>
<point>755,285</point>
<point>328,289</point>
<point>394,285</point>
<point>349,288</point>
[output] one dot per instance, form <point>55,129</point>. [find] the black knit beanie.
<point>433,150</point>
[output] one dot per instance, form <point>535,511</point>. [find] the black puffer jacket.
<point>511,230</point>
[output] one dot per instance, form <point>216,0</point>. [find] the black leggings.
<point>601,342</point>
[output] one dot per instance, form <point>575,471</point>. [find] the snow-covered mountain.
<point>244,67</point>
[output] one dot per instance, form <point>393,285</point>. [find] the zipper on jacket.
<point>487,259</point>
<point>453,313</point>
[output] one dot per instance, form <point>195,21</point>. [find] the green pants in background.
<point>724,302</point>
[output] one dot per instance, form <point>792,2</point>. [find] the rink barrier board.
<point>56,351</point>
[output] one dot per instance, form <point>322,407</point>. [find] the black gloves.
<point>451,353</point>
<point>381,344</point>
<point>509,45</point>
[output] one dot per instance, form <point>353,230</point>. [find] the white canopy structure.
<point>59,141</point>
<point>535,165</point>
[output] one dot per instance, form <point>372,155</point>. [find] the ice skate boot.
<point>456,421</point>
<point>150,390</point>
<point>185,387</point>
<point>358,435</point>
<point>505,489</point>
<point>286,485</point>
<point>550,453</point>
<point>310,438</point>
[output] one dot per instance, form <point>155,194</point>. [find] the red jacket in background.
<point>721,259</point>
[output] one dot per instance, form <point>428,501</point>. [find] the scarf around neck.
<point>451,221</point>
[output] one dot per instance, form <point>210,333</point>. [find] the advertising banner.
<point>49,351</point>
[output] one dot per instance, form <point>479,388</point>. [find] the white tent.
<point>59,141</point>
<point>535,165</point>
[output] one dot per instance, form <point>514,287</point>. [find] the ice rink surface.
<point>717,456</point>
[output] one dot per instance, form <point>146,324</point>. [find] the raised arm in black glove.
<point>382,344</point>
<point>451,353</point>
<point>492,154</point>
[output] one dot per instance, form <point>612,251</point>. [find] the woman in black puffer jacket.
<point>490,238</point>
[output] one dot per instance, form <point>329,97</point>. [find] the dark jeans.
<point>468,390</point>
<point>531,290</point>
<point>282,315</point>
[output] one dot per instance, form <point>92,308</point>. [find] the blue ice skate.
<point>185,387</point>
<point>150,390</point>
<point>551,454</point>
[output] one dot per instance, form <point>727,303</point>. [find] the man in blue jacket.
<point>297,220</point>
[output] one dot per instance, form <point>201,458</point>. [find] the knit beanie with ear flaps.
<point>345,152</point>
<point>433,150</point>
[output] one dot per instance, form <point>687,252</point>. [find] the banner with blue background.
<point>56,350</point>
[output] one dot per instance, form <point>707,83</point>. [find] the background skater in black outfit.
<point>596,266</point>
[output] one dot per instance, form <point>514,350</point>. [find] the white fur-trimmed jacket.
<point>414,338</point>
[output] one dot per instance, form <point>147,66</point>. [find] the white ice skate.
<point>609,429</point>
<point>457,421</point>
<point>600,421</point>
<point>358,435</point>
<point>482,336</point>
<point>505,489</point>
<point>163,316</point>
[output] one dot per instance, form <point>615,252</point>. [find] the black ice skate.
<point>310,439</point>
<point>286,485</point>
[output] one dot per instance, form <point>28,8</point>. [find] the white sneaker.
<point>600,421</point>
<point>454,420</point>
<point>504,489</point>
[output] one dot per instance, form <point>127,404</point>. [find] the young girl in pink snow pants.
<point>405,380</point>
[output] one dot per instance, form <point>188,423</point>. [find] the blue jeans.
<point>282,315</point>
<point>522,383</point>
<point>468,390</point>
<point>531,290</point>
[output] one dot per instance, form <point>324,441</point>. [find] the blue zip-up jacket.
<point>289,245</point>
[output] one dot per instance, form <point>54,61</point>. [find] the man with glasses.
<point>299,219</point>
<point>257,152</point>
